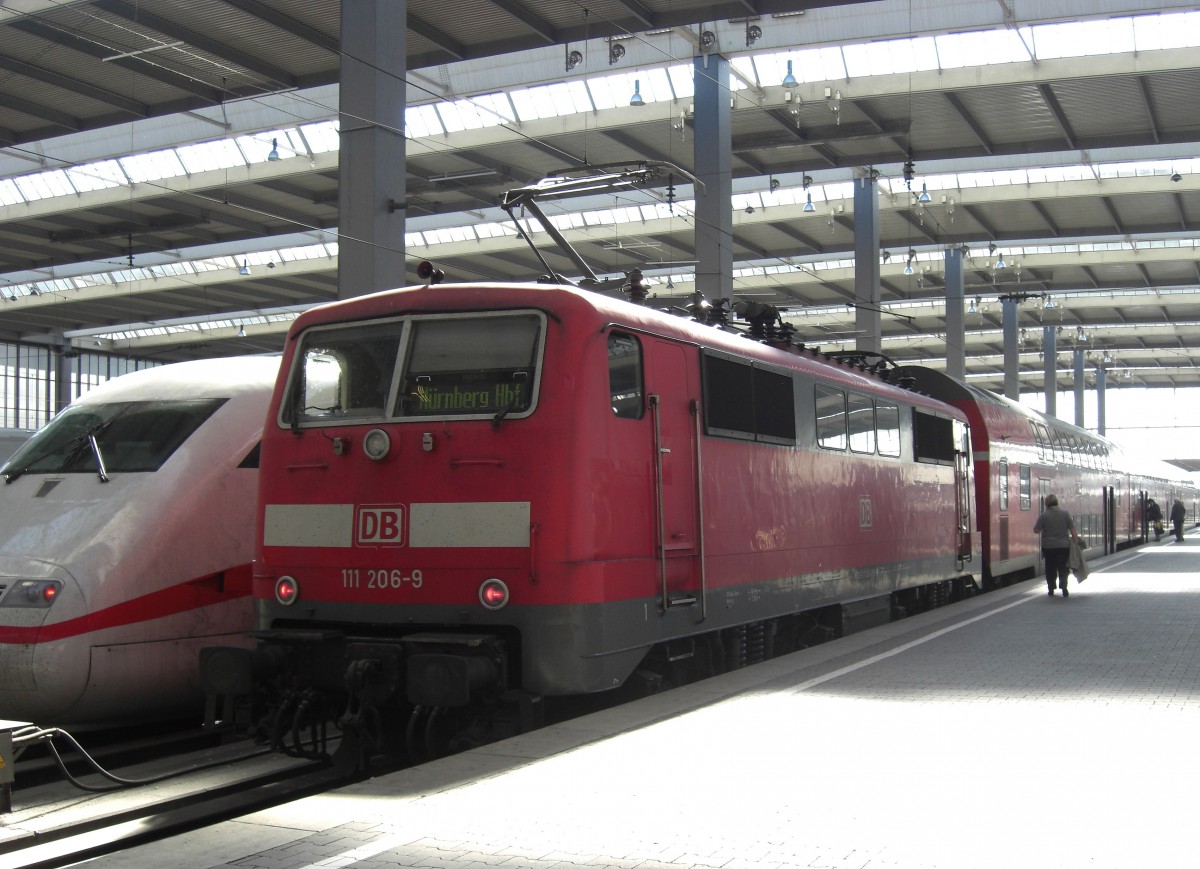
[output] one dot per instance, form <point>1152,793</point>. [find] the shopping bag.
<point>1077,563</point>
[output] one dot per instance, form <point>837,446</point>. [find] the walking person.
<point>1154,516</point>
<point>1178,515</point>
<point>1058,530</point>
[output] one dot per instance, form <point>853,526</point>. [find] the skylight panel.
<point>322,137</point>
<point>498,110</point>
<point>740,201</point>
<point>492,229</point>
<point>475,112</point>
<point>755,68</point>
<point>890,57</point>
<point>449,234</point>
<point>682,80</point>
<point>1083,38</point>
<point>206,265</point>
<point>568,98</point>
<point>959,50</point>
<point>568,220</point>
<point>257,148</point>
<point>207,156</point>
<point>303,252</point>
<point>422,121</point>
<point>818,64</point>
<point>152,166</point>
<point>97,176</point>
<point>10,194</point>
<point>657,211</point>
<point>1152,32</point>
<point>624,84</point>
<point>43,185</point>
<point>457,115</point>
<point>659,84</point>
<point>782,196</point>
<point>603,93</point>
<point>534,103</point>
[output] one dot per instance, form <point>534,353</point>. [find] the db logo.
<point>865,517</point>
<point>379,525</point>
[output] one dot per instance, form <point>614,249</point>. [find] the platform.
<point>1011,730</point>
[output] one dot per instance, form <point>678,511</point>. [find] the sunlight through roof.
<point>656,84</point>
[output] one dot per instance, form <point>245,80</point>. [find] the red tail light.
<point>493,594</point>
<point>287,590</point>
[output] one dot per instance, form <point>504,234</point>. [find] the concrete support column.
<point>956,363</point>
<point>371,166</point>
<point>1101,383</point>
<point>1050,368</point>
<point>1012,359</point>
<point>60,359</point>
<point>713,145</point>
<point>1080,387</point>
<point>866,264</point>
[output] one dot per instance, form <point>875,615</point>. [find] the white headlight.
<point>377,444</point>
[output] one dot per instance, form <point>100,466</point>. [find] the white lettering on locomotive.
<point>865,515</point>
<point>353,577</point>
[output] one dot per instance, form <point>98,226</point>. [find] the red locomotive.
<point>477,494</point>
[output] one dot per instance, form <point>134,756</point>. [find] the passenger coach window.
<point>862,423</point>
<point>1042,438</point>
<point>1026,488</point>
<point>625,375</point>
<point>933,438</point>
<point>831,418</point>
<point>887,420</point>
<point>1002,484</point>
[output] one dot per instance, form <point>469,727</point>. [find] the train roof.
<point>1003,417</point>
<point>1006,419</point>
<point>201,378</point>
<point>615,311</point>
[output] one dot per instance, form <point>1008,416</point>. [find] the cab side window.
<point>625,376</point>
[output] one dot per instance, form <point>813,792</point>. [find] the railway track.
<point>54,824</point>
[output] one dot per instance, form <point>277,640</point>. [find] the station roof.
<point>142,209</point>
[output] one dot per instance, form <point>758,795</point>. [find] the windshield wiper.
<point>95,445</point>
<point>87,439</point>
<point>506,410</point>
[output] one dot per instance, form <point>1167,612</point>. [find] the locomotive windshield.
<point>126,436</point>
<point>445,366</point>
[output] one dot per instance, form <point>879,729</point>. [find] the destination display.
<point>466,396</point>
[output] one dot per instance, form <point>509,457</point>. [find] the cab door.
<point>672,387</point>
<point>963,501</point>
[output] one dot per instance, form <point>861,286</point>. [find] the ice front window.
<point>128,436</point>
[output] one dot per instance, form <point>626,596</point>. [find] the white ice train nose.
<point>44,659</point>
